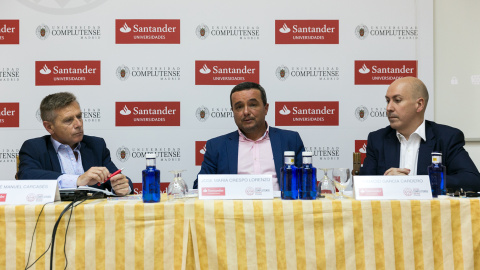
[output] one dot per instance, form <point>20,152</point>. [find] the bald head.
<point>414,86</point>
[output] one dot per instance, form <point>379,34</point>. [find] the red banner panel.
<point>306,113</point>
<point>67,73</point>
<point>9,31</point>
<point>129,114</point>
<point>383,71</point>
<point>306,32</point>
<point>147,31</point>
<point>226,72</point>
<point>9,114</point>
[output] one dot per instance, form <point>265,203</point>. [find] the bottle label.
<point>289,160</point>
<point>436,159</point>
<point>307,160</point>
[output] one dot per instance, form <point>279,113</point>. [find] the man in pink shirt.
<point>255,148</point>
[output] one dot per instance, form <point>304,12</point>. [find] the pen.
<point>112,175</point>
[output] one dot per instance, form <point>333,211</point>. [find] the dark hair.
<point>54,102</point>
<point>246,86</point>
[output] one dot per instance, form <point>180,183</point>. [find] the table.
<point>251,234</point>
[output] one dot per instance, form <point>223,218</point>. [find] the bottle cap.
<point>289,153</point>
<point>150,155</point>
<point>307,154</point>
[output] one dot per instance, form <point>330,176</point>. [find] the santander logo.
<point>125,111</point>
<point>125,28</point>
<point>284,29</point>
<point>284,110</point>
<point>364,69</point>
<point>45,70</point>
<point>205,69</point>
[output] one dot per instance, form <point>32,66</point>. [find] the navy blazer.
<point>38,159</point>
<point>221,156</point>
<point>383,152</point>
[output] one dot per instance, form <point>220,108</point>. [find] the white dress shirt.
<point>409,148</point>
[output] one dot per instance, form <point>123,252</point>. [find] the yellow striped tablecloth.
<point>251,234</point>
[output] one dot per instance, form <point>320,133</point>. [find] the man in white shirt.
<point>69,156</point>
<point>405,147</point>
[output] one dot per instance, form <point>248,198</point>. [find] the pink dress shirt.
<point>256,157</point>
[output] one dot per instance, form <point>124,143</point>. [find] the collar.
<point>57,144</point>
<point>265,135</point>
<point>420,131</point>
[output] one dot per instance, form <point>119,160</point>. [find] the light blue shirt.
<point>72,167</point>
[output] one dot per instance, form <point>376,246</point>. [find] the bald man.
<point>405,147</point>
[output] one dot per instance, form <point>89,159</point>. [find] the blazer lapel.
<point>87,156</point>
<point>53,157</point>
<point>232,152</point>
<point>277,150</point>
<point>391,150</point>
<point>425,151</point>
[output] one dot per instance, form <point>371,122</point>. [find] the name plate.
<point>234,186</point>
<point>28,191</point>
<point>392,187</point>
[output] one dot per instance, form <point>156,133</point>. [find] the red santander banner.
<point>200,149</point>
<point>129,114</point>
<point>9,31</point>
<point>67,73</point>
<point>372,72</point>
<point>361,146</point>
<point>10,114</point>
<point>141,31</point>
<point>306,113</point>
<point>226,72</point>
<point>306,32</point>
<point>138,187</point>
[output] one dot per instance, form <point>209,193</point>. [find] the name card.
<point>28,191</point>
<point>234,186</point>
<point>392,187</point>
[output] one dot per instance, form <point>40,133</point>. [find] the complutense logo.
<point>202,113</point>
<point>202,31</point>
<point>361,31</point>
<point>282,73</point>
<point>43,31</point>
<point>123,72</point>
<point>361,113</point>
<point>123,153</point>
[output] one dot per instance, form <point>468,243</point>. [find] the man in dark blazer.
<point>393,146</point>
<point>249,106</point>
<point>69,156</point>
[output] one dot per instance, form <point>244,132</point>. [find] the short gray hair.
<point>54,102</point>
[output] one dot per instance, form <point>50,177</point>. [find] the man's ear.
<point>49,127</point>
<point>420,103</point>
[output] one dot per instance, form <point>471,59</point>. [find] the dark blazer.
<point>221,156</point>
<point>38,159</point>
<point>383,152</point>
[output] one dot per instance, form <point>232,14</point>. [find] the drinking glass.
<point>325,186</point>
<point>341,177</point>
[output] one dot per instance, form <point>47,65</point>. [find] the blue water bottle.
<point>308,174</point>
<point>151,181</point>
<point>288,174</point>
<point>438,175</point>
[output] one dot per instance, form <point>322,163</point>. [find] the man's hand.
<point>120,184</point>
<point>92,176</point>
<point>397,171</point>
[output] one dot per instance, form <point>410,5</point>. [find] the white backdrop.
<point>396,31</point>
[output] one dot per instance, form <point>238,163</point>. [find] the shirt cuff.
<point>67,181</point>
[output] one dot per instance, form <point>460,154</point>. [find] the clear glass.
<point>341,177</point>
<point>177,188</point>
<point>325,186</point>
